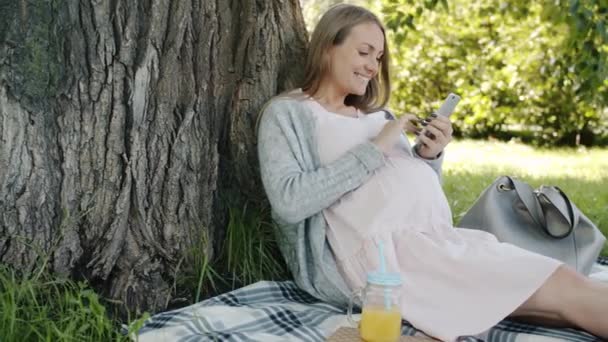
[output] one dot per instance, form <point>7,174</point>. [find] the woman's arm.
<point>294,191</point>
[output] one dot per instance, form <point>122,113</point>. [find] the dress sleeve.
<point>295,189</point>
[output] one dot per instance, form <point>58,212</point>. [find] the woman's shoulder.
<point>288,99</point>
<point>286,104</point>
<point>289,108</point>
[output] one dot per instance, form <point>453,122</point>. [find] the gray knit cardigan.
<point>299,188</point>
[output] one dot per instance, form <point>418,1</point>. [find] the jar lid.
<point>384,278</point>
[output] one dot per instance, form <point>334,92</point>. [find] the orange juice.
<point>380,325</point>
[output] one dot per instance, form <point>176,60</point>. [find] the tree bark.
<point>122,124</point>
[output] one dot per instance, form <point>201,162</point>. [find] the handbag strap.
<point>557,201</point>
<point>553,197</point>
<point>526,195</point>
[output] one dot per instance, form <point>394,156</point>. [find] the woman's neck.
<point>330,98</point>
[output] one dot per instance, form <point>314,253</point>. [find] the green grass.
<point>250,249</point>
<point>40,307</point>
<point>470,166</point>
<point>44,307</point>
<point>195,275</point>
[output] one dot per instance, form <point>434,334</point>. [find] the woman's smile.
<point>362,77</point>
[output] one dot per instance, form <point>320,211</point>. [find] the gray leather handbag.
<point>544,221</point>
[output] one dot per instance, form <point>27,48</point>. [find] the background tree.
<point>533,69</point>
<point>123,122</point>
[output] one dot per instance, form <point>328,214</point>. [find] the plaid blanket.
<point>280,311</point>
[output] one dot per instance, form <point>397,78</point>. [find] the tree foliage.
<point>530,68</point>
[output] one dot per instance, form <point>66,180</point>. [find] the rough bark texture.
<point>123,121</point>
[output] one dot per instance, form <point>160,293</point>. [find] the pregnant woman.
<point>341,176</point>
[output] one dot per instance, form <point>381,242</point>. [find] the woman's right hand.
<point>390,133</point>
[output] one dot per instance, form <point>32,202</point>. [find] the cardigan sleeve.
<point>294,191</point>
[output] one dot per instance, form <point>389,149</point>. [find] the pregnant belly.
<point>404,192</point>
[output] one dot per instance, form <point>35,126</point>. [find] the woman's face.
<point>355,62</point>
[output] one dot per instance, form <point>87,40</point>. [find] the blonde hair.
<point>332,30</point>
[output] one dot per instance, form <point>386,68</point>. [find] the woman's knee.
<point>556,297</point>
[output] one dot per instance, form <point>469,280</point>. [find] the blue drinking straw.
<point>382,261</point>
<point>387,301</point>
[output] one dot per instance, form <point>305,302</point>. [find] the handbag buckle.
<point>504,187</point>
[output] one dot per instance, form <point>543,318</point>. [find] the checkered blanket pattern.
<point>280,311</point>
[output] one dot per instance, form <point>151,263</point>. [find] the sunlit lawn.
<point>582,174</point>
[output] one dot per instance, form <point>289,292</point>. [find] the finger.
<point>405,119</point>
<point>424,124</point>
<point>441,122</point>
<point>410,117</point>
<point>440,118</point>
<point>428,144</point>
<point>437,133</point>
<point>444,125</point>
<point>440,140</point>
<point>445,131</point>
<point>412,126</point>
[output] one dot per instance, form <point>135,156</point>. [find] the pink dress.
<point>455,281</point>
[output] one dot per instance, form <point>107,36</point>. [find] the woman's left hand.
<point>435,137</point>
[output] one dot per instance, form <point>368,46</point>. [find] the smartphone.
<point>448,106</point>
<point>446,109</point>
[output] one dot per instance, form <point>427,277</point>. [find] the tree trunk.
<point>123,122</point>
